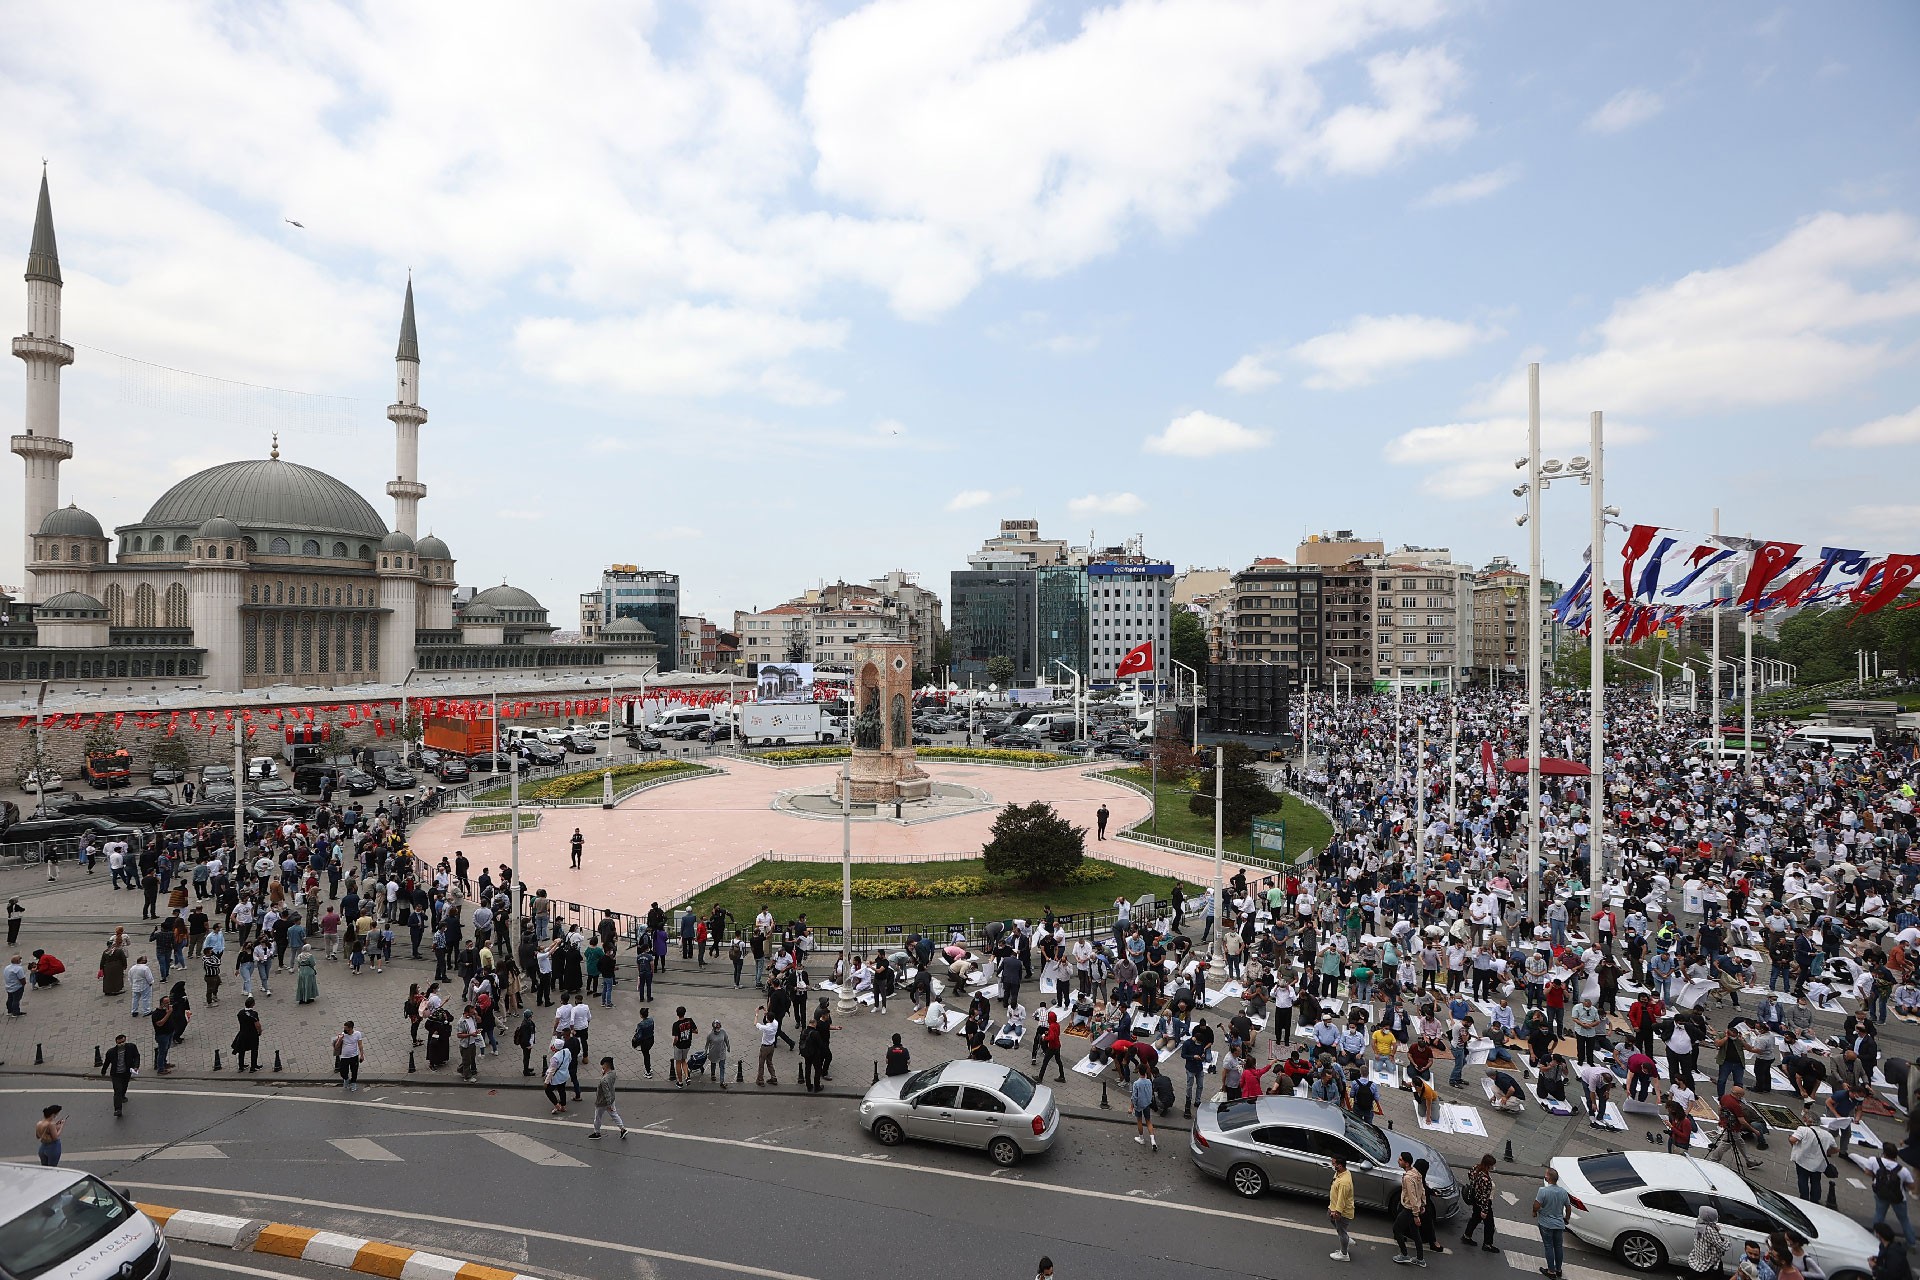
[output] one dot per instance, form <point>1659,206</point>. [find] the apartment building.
<point>779,634</point>
<point>1423,619</point>
<point>1275,616</point>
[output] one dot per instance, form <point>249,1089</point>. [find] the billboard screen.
<point>784,682</point>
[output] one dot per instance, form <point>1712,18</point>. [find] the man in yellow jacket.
<point>1340,1206</point>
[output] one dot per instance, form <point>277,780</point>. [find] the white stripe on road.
<point>1527,1262</point>
<point>362,1149</point>
<point>189,1151</point>
<point>526,1148</point>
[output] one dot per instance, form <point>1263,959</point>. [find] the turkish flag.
<point>1138,662</point>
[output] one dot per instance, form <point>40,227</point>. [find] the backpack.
<point>1887,1183</point>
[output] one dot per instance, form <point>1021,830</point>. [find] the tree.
<point>1189,639</point>
<point>943,652</point>
<point>1034,845</point>
<point>101,740</point>
<point>1247,797</point>
<point>171,753</point>
<point>1000,671</point>
<point>797,648</point>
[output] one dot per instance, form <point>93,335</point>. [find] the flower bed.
<point>898,887</point>
<point>980,755</point>
<point>585,784</point>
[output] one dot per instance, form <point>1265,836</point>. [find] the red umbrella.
<point>1549,765</point>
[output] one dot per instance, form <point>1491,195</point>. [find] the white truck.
<point>782,723</point>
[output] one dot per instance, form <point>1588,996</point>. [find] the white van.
<point>63,1224</point>
<point>1845,740</point>
<point>681,724</point>
<point>518,733</point>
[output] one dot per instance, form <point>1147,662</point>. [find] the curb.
<point>324,1248</point>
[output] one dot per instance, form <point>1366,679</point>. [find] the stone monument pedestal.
<point>882,769</point>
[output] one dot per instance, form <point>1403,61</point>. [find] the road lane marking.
<point>441,1220</point>
<point>526,1148</point>
<point>363,1149</point>
<point>189,1151</point>
<point>1085,1193</point>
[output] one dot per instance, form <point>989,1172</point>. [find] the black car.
<point>543,754</point>
<point>426,758</point>
<point>9,814</point>
<point>922,740</point>
<point>395,777</point>
<point>123,810</point>
<point>643,742</point>
<point>276,806</point>
<point>167,775</point>
<point>162,795</point>
<point>453,769</point>
<point>580,743</point>
<point>219,791</point>
<point>213,773</point>
<point>358,782</point>
<point>34,830</point>
<point>1017,741</point>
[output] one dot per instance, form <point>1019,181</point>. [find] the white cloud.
<point>1412,89</point>
<point>1371,346</point>
<point>1794,323</point>
<point>968,499</point>
<point>1250,372</point>
<point>1898,428</point>
<point>1202,435</point>
<point>1891,523</point>
<point>682,350</point>
<point>1476,187</point>
<point>1106,504</point>
<point>1625,110</point>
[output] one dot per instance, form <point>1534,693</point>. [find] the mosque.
<point>253,573</point>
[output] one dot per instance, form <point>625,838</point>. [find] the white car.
<point>1642,1207</point>
<point>556,736</point>
<point>600,729</point>
<point>42,780</point>
<point>63,1224</point>
<point>260,768</point>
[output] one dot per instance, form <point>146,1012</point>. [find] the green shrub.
<point>894,888</point>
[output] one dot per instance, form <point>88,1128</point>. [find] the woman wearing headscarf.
<point>113,964</point>
<point>306,983</point>
<point>1709,1245</point>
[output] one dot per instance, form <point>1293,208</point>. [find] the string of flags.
<point>381,716</point>
<point>1663,575</point>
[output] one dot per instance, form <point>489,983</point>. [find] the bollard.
<point>39,1055</point>
<point>543,1066</point>
<point>1104,1104</point>
<point>411,1067</point>
<point>739,1070</point>
<point>216,1059</point>
<point>1830,1202</point>
<point>98,1061</point>
<point>276,1061</point>
<point>876,1071</point>
<point>1509,1155</point>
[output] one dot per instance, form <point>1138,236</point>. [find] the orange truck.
<point>459,736</point>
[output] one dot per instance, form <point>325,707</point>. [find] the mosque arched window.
<point>181,543</point>
<point>311,547</point>
<point>279,547</point>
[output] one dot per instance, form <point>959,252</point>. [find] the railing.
<point>63,848</point>
<point>1068,763</point>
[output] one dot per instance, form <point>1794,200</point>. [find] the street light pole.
<point>1193,686</point>
<point>846,1001</point>
<point>1533,644</point>
<point>1219,834</point>
<point>1596,656</point>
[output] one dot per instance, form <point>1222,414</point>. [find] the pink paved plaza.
<point>666,841</point>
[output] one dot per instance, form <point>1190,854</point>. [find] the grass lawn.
<point>736,894</point>
<point>1307,827</point>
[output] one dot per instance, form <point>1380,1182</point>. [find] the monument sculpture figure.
<point>882,768</point>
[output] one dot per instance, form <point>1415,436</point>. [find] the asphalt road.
<point>706,1183</point>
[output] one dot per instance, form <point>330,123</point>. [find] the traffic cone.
<point>1104,1104</point>
<point>411,1068</point>
<point>39,1055</point>
<point>1509,1154</point>
<point>216,1060</point>
<point>98,1061</point>
<point>276,1061</point>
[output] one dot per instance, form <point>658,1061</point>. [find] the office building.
<point>649,597</point>
<point>1129,603</point>
<point>1423,619</point>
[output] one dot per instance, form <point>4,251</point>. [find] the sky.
<point>770,294</point>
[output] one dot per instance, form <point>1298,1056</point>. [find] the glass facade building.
<point>650,597</point>
<point>1061,608</point>
<point>993,616</point>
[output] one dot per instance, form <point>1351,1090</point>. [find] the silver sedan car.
<point>966,1103</point>
<point>1285,1142</point>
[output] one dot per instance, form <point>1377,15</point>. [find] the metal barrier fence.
<point>466,795</point>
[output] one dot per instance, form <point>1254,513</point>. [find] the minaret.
<point>406,415</point>
<point>41,447</point>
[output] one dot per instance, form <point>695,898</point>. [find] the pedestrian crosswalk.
<point>362,1149</point>
<point>527,1149</point>
<point>359,1150</point>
